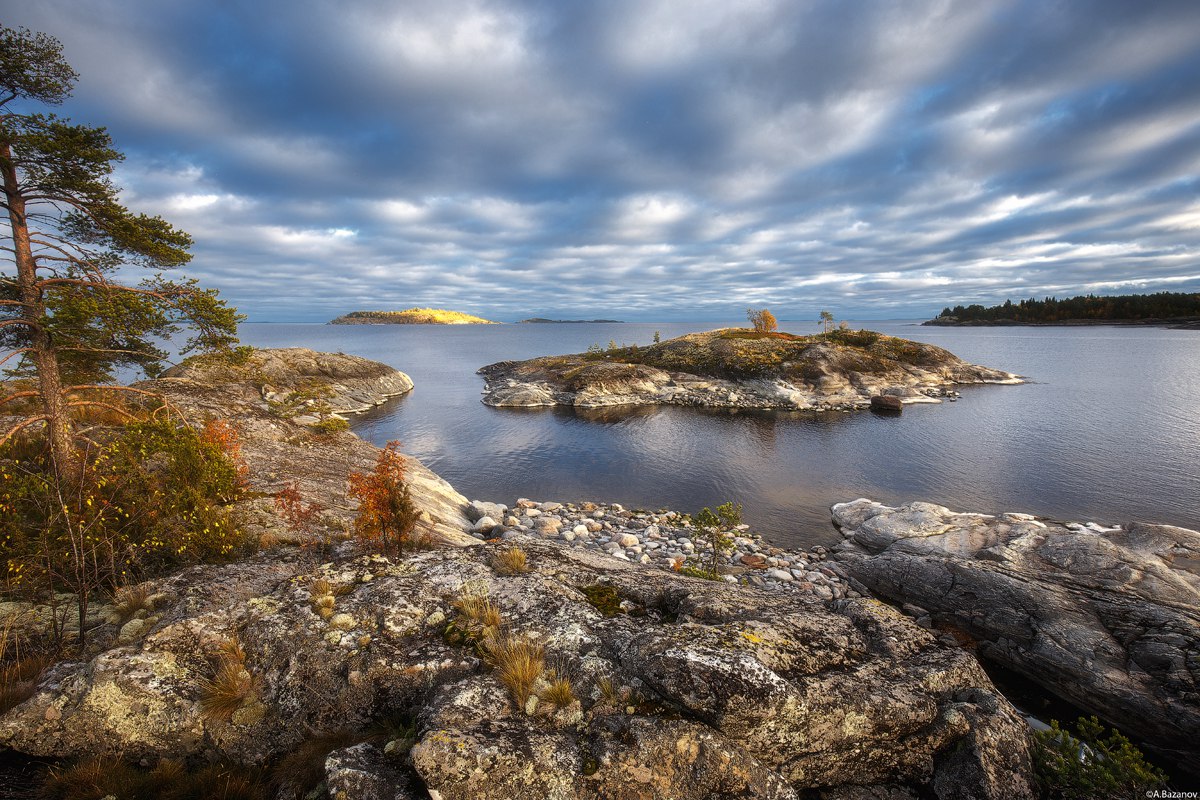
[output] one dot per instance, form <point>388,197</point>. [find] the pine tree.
<point>66,321</point>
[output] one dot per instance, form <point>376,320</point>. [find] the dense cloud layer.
<point>653,160</point>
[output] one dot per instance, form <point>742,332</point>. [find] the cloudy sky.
<point>652,160</point>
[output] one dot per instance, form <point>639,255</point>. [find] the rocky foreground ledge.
<point>680,687</point>
<point>1107,618</point>
<point>739,368</point>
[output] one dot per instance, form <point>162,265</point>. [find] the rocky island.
<point>741,368</point>
<point>411,316</point>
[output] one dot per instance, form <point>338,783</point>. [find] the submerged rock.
<point>737,368</point>
<point>679,687</point>
<point>1106,618</point>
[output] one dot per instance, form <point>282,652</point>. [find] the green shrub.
<point>603,598</point>
<point>710,529</point>
<point>861,338</point>
<point>1090,766</point>
<point>330,425</point>
<point>149,498</point>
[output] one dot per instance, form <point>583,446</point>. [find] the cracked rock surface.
<point>694,689</point>
<point>1106,618</point>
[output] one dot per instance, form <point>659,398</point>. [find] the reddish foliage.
<point>386,513</point>
<point>220,433</point>
<point>300,516</point>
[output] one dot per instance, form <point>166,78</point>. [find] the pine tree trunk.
<point>33,311</point>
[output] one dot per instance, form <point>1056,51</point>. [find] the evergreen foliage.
<point>710,530</point>
<point>1091,766</point>
<point>66,320</point>
<point>1161,305</point>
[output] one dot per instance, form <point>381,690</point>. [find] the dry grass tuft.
<point>559,693</point>
<point>477,614</point>
<point>97,778</point>
<point>18,679</point>
<point>92,779</point>
<point>519,662</point>
<point>511,561</point>
<point>128,600</point>
<point>230,685</point>
<point>610,692</point>
<point>20,669</point>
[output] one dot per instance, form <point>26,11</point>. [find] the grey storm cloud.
<point>652,160</point>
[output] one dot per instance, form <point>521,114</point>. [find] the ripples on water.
<point>1107,431</point>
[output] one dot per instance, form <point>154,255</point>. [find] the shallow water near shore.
<point>1107,430</point>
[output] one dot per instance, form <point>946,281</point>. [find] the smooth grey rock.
<point>481,508</point>
<point>1107,619</point>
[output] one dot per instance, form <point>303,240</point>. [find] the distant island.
<point>567,321</point>
<point>1174,309</point>
<point>411,316</point>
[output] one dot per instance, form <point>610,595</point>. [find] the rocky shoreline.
<point>664,540</point>
<point>736,368</point>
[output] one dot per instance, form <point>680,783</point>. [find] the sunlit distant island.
<point>411,316</point>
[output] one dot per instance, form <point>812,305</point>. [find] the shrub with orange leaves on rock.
<point>387,515</point>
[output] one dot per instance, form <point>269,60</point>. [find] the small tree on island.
<point>826,321</point>
<point>65,318</point>
<point>762,320</point>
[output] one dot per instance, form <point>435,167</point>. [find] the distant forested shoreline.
<point>1159,308</point>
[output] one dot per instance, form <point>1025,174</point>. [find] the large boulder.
<point>1107,618</point>
<point>692,689</point>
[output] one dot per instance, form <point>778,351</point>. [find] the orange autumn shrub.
<point>387,515</point>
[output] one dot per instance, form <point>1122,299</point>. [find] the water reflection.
<point>609,415</point>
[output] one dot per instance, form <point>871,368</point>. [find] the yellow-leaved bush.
<point>150,497</point>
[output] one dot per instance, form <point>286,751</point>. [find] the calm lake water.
<point>1108,429</point>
